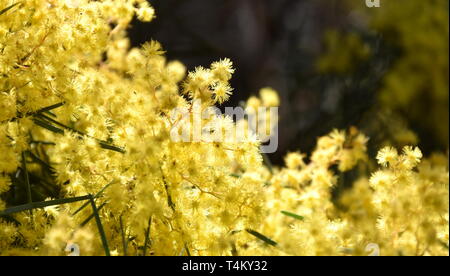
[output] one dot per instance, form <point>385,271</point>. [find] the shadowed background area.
<point>335,63</point>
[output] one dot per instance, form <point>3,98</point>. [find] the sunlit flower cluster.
<point>85,116</point>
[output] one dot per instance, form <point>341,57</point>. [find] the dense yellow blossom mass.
<point>84,119</point>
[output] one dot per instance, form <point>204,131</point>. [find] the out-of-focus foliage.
<point>344,53</point>
<point>415,86</point>
<point>418,82</point>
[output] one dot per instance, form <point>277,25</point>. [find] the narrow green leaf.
<point>187,250</point>
<point>235,175</point>
<point>49,188</point>
<point>99,226</point>
<point>103,144</point>
<point>88,219</point>
<point>445,245</point>
<point>8,8</point>
<point>166,186</point>
<point>48,126</point>
<point>124,240</point>
<point>27,178</point>
<point>50,114</point>
<point>37,193</point>
<point>262,237</point>
<point>51,120</point>
<point>48,108</point>
<point>97,195</point>
<point>292,215</point>
<point>111,147</point>
<point>234,232</point>
<point>81,208</point>
<point>42,143</point>
<point>147,236</point>
<point>42,110</point>
<point>43,204</point>
<point>234,251</point>
<point>40,161</point>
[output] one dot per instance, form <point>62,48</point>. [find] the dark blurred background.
<point>335,63</point>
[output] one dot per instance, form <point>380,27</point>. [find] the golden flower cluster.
<point>85,119</point>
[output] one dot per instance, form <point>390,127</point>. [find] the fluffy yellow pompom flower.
<point>294,160</point>
<point>145,13</point>
<point>5,182</point>
<point>387,156</point>
<point>152,48</point>
<point>222,92</point>
<point>412,156</point>
<point>222,70</point>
